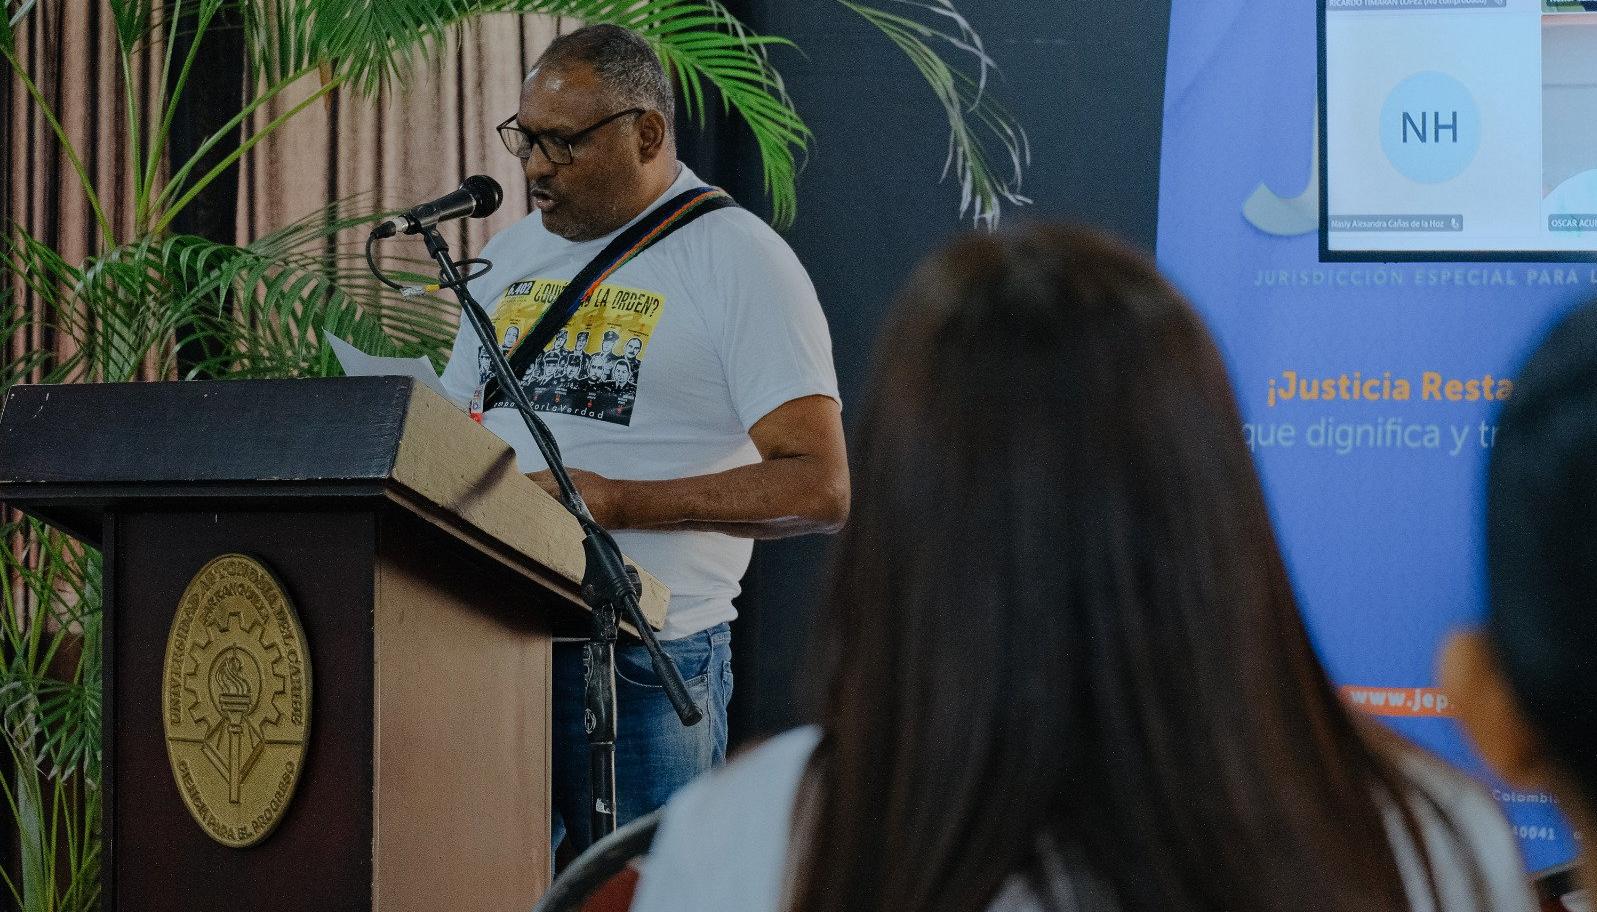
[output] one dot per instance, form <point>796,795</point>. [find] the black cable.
<point>487,265</point>
<point>371,263</point>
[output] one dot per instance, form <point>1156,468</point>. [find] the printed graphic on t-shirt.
<point>592,367</point>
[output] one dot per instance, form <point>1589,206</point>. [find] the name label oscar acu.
<point>236,694</point>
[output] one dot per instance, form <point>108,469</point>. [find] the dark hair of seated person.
<point>1058,623</point>
<point>1527,682</point>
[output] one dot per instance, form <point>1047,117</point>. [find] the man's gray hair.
<point>625,64</point>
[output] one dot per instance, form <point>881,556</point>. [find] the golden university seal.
<point>236,699</point>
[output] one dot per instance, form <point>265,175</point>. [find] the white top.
<point>661,374</point>
<point>723,845</point>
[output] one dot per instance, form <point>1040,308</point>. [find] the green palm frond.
<point>11,12</point>
<point>113,307</point>
<point>14,320</point>
<point>262,308</point>
<point>35,267</point>
<point>976,121</point>
<point>126,293</point>
<point>133,19</point>
<point>56,717</point>
<point>259,308</point>
<point>701,42</point>
<point>711,45</point>
<point>50,716</point>
<point>369,42</point>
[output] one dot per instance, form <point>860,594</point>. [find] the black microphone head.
<point>486,195</point>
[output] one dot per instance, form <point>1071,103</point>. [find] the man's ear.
<point>652,135</point>
<point>1484,704</point>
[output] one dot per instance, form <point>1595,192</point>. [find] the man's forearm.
<point>799,486</point>
<point>794,495</point>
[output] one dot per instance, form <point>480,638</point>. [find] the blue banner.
<point>1369,389</point>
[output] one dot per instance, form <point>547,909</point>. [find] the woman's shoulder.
<point>772,761</point>
<point>756,780</point>
<point>1470,847</point>
<point>1449,788</point>
<point>724,841</point>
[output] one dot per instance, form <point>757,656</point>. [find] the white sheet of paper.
<point>357,363</point>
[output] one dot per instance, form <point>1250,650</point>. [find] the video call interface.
<point>1460,127</point>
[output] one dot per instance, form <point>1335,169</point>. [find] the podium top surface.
<point>344,429</point>
<point>67,452</point>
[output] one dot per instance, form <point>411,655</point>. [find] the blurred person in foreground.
<point>1063,664</point>
<point>1525,684</point>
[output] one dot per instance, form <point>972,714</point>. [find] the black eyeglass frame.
<point>565,145</point>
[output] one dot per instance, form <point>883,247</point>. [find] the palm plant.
<point>50,713</point>
<point>259,308</point>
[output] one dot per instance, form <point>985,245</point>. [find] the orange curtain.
<point>70,52</point>
<point>408,144</point>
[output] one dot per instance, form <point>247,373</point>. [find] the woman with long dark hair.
<point>1063,664</point>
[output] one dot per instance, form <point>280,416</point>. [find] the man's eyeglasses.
<point>521,141</point>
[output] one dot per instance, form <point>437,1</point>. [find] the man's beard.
<point>572,226</point>
<point>577,224</point>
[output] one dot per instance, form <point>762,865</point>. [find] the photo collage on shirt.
<point>593,365</point>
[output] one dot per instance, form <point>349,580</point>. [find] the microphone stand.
<point>609,587</point>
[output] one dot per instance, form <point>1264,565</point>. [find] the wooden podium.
<point>428,577</point>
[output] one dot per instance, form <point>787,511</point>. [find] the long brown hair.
<point>1059,629</point>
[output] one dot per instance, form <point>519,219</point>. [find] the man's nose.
<point>537,165</point>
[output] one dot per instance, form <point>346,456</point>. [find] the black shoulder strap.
<point>654,227</point>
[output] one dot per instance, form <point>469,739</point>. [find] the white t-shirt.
<point>724,844</point>
<point>661,374</point>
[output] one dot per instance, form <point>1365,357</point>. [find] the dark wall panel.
<point>1086,80</point>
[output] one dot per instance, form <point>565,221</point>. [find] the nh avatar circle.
<point>1430,128</point>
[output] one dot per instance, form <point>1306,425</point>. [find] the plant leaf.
<point>133,20</point>
<point>979,128</point>
<point>262,308</point>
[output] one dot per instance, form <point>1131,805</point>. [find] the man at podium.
<point>726,426</point>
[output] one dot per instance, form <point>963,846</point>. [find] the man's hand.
<point>603,496</point>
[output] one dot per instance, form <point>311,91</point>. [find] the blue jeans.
<point>655,753</point>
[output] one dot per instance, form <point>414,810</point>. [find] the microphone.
<point>477,197</point>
